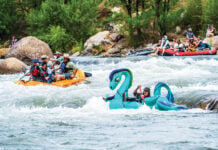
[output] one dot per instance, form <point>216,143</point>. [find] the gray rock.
<point>115,37</point>
<point>76,54</point>
<point>213,41</point>
<point>12,65</point>
<point>97,39</point>
<point>29,48</point>
<point>209,103</point>
<point>113,51</point>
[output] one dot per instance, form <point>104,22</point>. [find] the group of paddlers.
<point>192,43</point>
<point>49,70</point>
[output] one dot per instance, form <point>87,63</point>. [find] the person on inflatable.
<point>192,47</point>
<point>165,44</point>
<point>202,46</point>
<point>68,70</point>
<point>46,59</point>
<point>35,70</point>
<point>190,35</point>
<point>179,46</point>
<point>141,95</point>
<point>210,31</point>
<point>46,73</point>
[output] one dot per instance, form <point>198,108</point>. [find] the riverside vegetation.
<point>66,24</point>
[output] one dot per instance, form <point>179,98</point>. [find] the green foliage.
<point>165,16</point>
<point>8,18</point>
<point>211,13</point>
<point>78,19</point>
<point>57,38</point>
<point>193,15</point>
<point>78,47</point>
<point>66,24</point>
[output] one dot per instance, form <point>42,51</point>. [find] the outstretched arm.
<point>135,92</point>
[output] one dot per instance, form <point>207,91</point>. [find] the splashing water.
<point>46,117</point>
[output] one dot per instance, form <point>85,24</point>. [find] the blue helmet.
<point>35,60</point>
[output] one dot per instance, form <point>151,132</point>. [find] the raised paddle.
<point>142,94</point>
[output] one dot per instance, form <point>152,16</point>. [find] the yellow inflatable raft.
<point>80,77</point>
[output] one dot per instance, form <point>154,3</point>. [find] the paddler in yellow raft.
<point>67,68</point>
<point>67,74</point>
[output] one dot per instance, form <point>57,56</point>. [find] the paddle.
<point>26,74</point>
<point>87,74</point>
<point>142,94</point>
<point>82,79</point>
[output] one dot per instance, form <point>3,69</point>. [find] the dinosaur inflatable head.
<point>116,76</point>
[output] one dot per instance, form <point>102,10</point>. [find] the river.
<point>46,117</point>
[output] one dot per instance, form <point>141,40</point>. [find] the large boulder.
<point>209,103</point>
<point>12,65</point>
<point>29,48</point>
<point>3,52</point>
<point>213,41</point>
<point>115,37</point>
<point>96,40</point>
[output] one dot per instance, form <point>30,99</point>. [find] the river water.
<point>45,117</point>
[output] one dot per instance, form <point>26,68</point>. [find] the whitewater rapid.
<point>46,117</point>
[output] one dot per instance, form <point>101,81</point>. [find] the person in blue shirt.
<point>190,35</point>
<point>165,43</point>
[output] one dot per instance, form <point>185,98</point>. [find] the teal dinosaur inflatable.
<point>121,99</point>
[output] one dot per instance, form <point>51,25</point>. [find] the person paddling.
<point>141,95</point>
<point>35,70</point>
<point>46,73</point>
<point>46,59</point>
<point>68,70</point>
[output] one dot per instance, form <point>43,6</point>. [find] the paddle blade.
<point>87,74</point>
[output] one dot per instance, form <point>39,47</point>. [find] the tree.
<point>194,15</point>
<point>166,14</point>
<point>8,18</point>
<point>74,19</point>
<point>211,13</point>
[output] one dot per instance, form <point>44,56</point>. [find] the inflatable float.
<point>141,52</point>
<point>79,77</point>
<point>121,100</point>
<point>168,52</point>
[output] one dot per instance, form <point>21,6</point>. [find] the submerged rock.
<point>12,65</point>
<point>209,103</point>
<point>29,48</point>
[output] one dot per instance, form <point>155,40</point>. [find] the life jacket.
<point>35,71</point>
<point>63,68</point>
<point>43,73</point>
